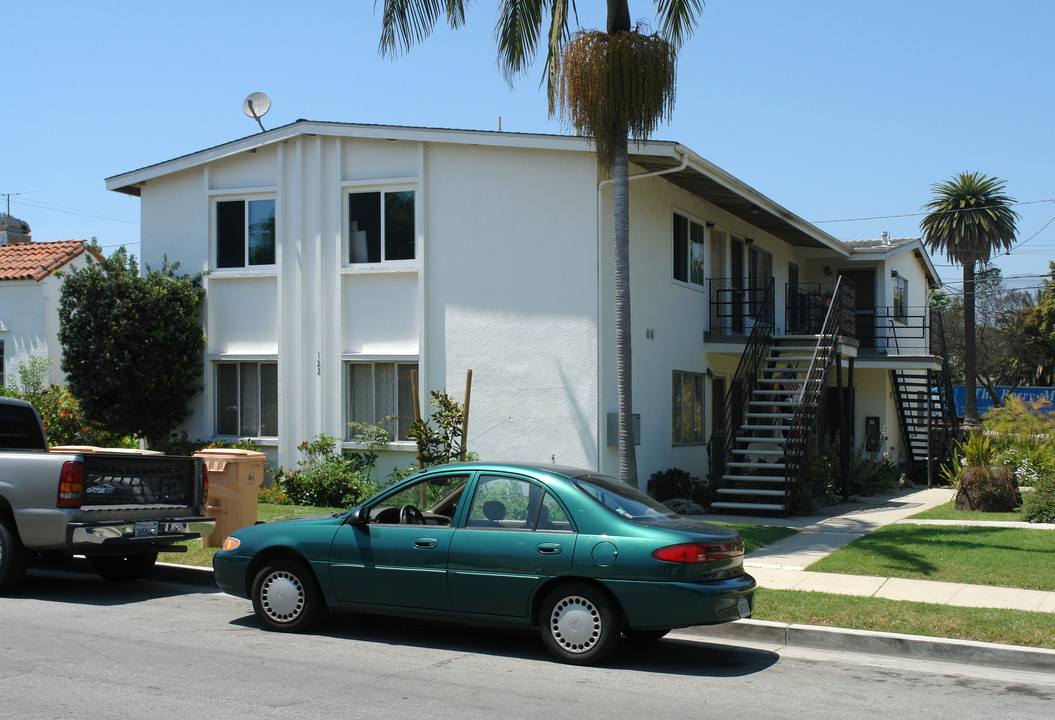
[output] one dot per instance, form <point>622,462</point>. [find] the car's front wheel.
<point>579,624</point>
<point>124,568</point>
<point>285,596</point>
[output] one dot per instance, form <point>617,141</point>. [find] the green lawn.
<point>948,511</point>
<point>1004,557</point>
<point>1012,627</point>
<point>756,536</point>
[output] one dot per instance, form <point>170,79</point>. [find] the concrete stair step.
<point>750,492</point>
<point>723,505</point>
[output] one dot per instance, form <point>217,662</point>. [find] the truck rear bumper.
<point>141,532</point>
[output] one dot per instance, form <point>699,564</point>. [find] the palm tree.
<point>970,218</point>
<point>615,85</point>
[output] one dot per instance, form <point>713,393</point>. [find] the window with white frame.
<point>689,250</point>
<point>901,299</point>
<point>380,226</point>
<point>245,233</point>
<point>687,406</point>
<point>247,399</point>
<point>381,393</point>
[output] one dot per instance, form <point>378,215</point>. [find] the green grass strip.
<point>948,511</point>
<point>1011,627</point>
<point>756,536</point>
<point>1002,557</point>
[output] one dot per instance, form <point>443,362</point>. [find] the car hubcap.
<point>575,624</point>
<point>282,596</point>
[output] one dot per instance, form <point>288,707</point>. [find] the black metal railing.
<point>738,304</point>
<point>838,322</point>
<point>741,388</point>
<point>939,348</point>
<point>806,305</point>
<point>895,330</point>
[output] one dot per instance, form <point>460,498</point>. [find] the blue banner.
<point>985,402</point>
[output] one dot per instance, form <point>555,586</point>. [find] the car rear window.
<point>623,500</point>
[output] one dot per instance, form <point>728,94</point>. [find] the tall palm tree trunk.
<point>970,360</point>
<point>621,204</point>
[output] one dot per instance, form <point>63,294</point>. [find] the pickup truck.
<point>116,508</point>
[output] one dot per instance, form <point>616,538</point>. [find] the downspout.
<point>602,430</point>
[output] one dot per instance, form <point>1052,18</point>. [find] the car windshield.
<point>623,500</point>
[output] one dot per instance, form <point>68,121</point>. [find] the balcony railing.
<point>896,331</point>
<point>737,303</point>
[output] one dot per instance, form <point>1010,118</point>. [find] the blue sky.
<point>837,110</point>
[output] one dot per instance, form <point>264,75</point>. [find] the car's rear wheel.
<point>285,596</point>
<point>13,555</point>
<point>579,624</point>
<point>644,635</point>
<point>124,568</point>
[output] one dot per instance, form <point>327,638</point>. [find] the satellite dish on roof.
<point>256,107</point>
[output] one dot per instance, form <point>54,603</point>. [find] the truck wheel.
<point>13,556</point>
<point>286,597</point>
<point>124,568</point>
<point>579,624</point>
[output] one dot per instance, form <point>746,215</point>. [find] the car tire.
<point>124,568</point>
<point>644,636</point>
<point>13,555</point>
<point>579,624</point>
<point>286,597</point>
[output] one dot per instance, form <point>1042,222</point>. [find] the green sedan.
<point>581,556</point>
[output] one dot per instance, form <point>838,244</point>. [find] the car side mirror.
<point>360,517</point>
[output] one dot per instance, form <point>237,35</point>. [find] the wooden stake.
<point>417,410</point>
<point>465,413</point>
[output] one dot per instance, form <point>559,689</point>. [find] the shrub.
<point>1039,505</point>
<point>987,489</point>
<point>684,506</point>
<point>273,496</point>
<point>676,483</point>
<point>439,437</point>
<point>817,486</point>
<point>327,477</point>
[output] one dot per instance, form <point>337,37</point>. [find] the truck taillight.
<point>71,484</point>
<point>204,484</point>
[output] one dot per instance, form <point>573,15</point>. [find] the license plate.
<point>744,607</point>
<point>146,529</point>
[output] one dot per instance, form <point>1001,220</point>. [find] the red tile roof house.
<point>29,301</point>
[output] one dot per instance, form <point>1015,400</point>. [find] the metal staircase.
<point>768,446</point>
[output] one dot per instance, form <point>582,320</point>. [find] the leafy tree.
<point>969,218</point>
<point>616,85</point>
<point>131,344</point>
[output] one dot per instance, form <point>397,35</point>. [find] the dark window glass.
<point>681,248</point>
<point>269,399</point>
<point>399,225</point>
<point>227,399</point>
<point>230,233</point>
<point>364,218</point>
<point>261,232</point>
<point>698,250</point>
<point>19,428</point>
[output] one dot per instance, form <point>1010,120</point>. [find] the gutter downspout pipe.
<point>602,416</point>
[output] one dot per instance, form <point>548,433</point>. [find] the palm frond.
<point>405,23</point>
<point>517,34</point>
<point>677,19</point>
<point>969,218</point>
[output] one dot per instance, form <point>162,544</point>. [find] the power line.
<point>82,213</point>
<point>920,213</point>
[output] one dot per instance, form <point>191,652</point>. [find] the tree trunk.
<point>970,360</point>
<point>621,204</point>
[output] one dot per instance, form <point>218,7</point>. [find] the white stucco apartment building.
<point>339,257</point>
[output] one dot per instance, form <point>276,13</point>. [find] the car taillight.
<point>204,484</point>
<point>699,552</point>
<point>71,484</point>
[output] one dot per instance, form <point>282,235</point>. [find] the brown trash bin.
<point>234,476</point>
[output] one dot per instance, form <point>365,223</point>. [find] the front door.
<point>865,288</point>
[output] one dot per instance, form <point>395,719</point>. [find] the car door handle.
<point>425,543</point>
<point>548,548</point>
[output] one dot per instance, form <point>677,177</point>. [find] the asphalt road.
<point>74,646</point>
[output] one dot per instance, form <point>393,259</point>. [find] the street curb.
<point>919,647</point>
<point>184,574</point>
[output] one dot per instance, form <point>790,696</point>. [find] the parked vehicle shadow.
<point>76,581</point>
<point>667,656</point>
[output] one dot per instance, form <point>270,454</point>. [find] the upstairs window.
<point>901,299</point>
<point>245,233</point>
<point>689,250</point>
<point>380,226</point>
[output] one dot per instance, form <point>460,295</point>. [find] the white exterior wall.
<point>30,312</point>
